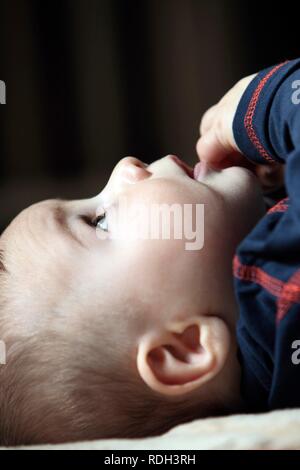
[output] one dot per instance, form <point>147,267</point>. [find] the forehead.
<point>32,219</point>
<point>34,233</point>
<point>38,264</point>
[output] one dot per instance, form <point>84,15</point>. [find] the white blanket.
<point>275,430</point>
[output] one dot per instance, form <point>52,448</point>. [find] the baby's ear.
<point>184,355</point>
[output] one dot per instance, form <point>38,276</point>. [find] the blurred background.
<point>91,81</point>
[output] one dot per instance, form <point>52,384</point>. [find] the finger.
<point>207,120</point>
<point>211,150</point>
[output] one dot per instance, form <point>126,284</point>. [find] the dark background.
<point>91,81</point>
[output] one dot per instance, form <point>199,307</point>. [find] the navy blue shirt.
<point>267,263</point>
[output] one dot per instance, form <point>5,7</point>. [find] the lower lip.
<point>186,168</point>
<point>199,171</point>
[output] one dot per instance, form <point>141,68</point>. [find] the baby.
<point>112,336</point>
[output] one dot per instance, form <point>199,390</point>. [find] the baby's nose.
<point>132,170</point>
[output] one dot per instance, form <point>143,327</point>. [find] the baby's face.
<point>54,247</point>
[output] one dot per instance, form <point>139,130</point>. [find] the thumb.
<point>211,150</point>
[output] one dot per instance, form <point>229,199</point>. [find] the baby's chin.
<point>245,186</point>
<point>247,198</point>
<point>238,184</point>
<point>242,192</point>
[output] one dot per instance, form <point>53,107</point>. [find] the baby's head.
<point>112,335</point>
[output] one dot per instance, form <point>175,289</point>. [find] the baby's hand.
<point>217,146</point>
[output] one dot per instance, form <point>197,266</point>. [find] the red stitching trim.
<point>287,293</point>
<point>281,206</point>
<point>257,275</point>
<point>289,296</point>
<point>248,121</point>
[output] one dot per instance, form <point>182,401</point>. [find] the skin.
<point>181,331</point>
<point>217,147</point>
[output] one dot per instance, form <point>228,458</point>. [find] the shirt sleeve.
<point>268,115</point>
<point>267,263</point>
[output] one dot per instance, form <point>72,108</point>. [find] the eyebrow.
<point>61,221</point>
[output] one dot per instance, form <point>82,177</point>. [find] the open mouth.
<point>201,170</point>
<point>186,168</point>
<point>197,173</point>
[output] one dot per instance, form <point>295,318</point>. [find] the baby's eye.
<point>101,222</point>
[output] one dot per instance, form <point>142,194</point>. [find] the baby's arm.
<point>258,118</point>
<point>265,126</point>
